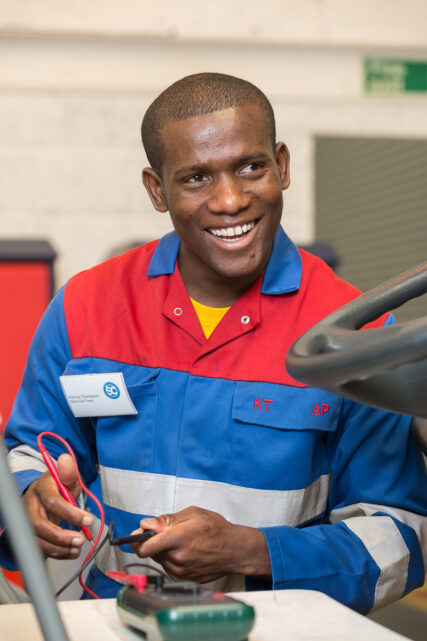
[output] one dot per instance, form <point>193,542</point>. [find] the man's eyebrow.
<point>200,168</point>
<point>190,169</point>
<point>256,155</point>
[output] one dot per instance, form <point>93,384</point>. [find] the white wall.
<point>76,78</point>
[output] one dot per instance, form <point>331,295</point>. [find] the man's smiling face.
<point>222,183</point>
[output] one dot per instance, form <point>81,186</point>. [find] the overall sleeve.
<point>41,406</point>
<point>369,551</point>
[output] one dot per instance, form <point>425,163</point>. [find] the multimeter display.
<point>185,612</point>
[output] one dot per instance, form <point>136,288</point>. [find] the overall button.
<point>245,320</point>
<point>177,311</point>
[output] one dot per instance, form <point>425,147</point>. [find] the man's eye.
<point>196,178</point>
<point>250,168</point>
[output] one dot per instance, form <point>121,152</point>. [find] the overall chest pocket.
<point>126,442</point>
<point>279,434</point>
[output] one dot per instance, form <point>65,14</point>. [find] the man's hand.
<point>46,508</point>
<point>200,545</point>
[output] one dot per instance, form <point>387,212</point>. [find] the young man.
<point>244,474</point>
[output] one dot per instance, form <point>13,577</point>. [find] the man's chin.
<point>244,273</point>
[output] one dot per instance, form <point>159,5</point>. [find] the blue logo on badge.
<point>111,390</point>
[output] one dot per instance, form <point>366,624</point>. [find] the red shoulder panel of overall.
<point>103,303</point>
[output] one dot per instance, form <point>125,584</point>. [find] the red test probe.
<point>65,492</point>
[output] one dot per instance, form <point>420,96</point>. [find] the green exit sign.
<point>390,76</point>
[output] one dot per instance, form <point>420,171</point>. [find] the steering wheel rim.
<point>372,363</point>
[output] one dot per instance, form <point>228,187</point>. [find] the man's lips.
<point>232,233</point>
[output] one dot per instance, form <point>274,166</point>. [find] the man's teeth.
<point>232,232</point>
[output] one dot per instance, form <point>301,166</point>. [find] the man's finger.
<point>71,551</point>
<point>55,506</point>
<point>163,541</point>
<point>56,535</point>
<point>157,524</point>
<point>68,474</point>
<point>59,551</point>
<point>53,540</point>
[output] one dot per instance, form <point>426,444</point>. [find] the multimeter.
<point>184,611</point>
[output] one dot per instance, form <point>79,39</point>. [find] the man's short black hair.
<point>194,95</point>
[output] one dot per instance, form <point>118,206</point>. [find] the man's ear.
<point>154,186</point>
<point>282,159</point>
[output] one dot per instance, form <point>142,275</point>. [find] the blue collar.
<point>282,274</point>
<point>284,268</point>
<point>165,255</point>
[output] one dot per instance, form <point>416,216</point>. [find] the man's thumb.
<point>68,474</point>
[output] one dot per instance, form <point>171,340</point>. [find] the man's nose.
<point>228,196</point>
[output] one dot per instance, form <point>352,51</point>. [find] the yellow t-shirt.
<point>209,317</point>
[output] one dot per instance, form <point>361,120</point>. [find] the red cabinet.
<point>26,287</point>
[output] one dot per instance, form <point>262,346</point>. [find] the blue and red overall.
<point>339,489</point>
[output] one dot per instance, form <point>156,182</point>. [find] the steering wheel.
<point>385,367</point>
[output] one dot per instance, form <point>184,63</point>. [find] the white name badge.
<point>97,395</point>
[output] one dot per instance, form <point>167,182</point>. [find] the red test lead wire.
<point>65,492</point>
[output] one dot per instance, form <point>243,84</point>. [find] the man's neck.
<point>214,291</point>
<point>214,297</point>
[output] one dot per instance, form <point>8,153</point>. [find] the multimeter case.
<point>185,612</point>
